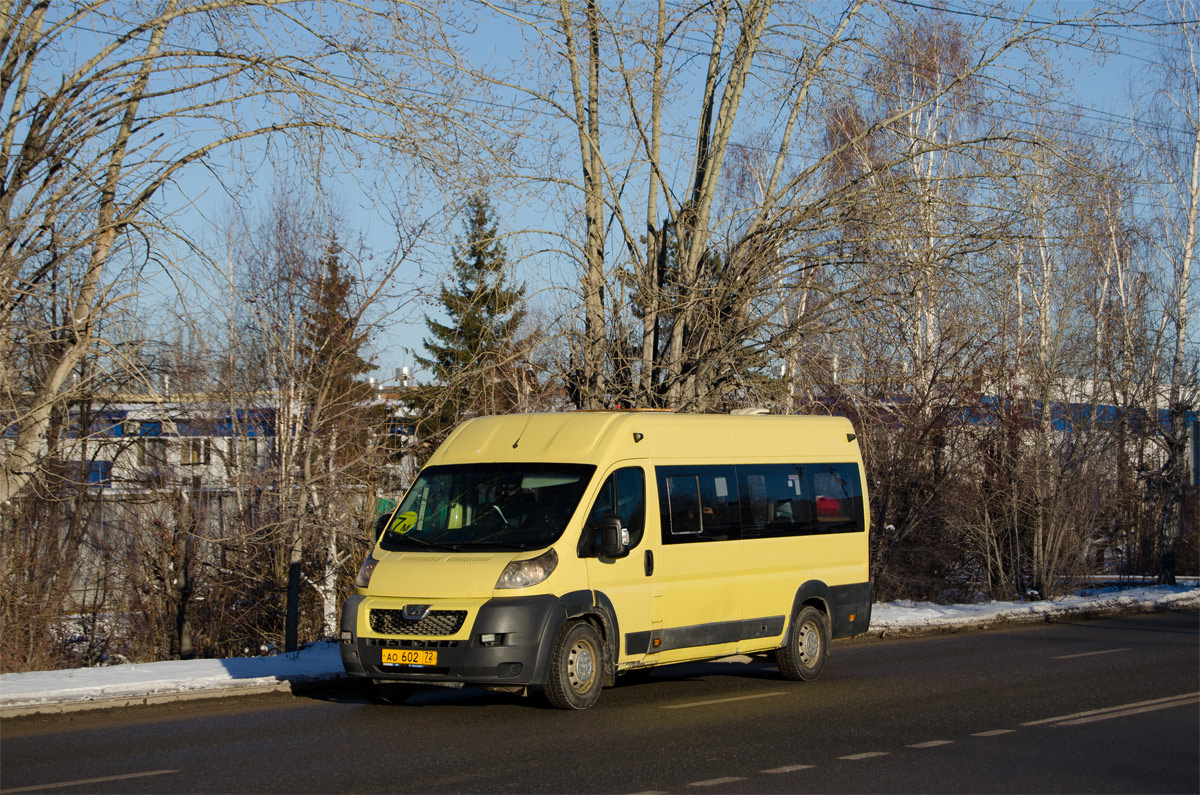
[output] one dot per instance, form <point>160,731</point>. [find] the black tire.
<point>381,691</point>
<point>803,656</point>
<point>576,668</point>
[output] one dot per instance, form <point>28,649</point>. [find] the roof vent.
<point>752,411</point>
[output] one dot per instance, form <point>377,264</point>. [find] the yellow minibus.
<point>562,550</point>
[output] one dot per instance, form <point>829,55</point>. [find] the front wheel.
<point>807,647</point>
<point>576,668</point>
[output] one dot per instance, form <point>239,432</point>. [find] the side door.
<point>699,568</point>
<point>627,582</point>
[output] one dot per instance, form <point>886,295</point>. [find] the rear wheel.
<point>381,691</point>
<point>576,668</point>
<point>807,648</point>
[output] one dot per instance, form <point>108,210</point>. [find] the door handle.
<point>648,561</point>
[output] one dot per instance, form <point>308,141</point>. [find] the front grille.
<point>409,643</point>
<point>436,622</point>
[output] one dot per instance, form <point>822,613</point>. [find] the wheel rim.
<point>581,666</point>
<point>810,643</point>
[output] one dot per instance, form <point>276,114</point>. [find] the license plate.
<point>409,657</point>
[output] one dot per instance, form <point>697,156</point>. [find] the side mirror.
<point>611,540</point>
<point>381,524</point>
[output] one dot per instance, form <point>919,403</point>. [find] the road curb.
<point>62,707</point>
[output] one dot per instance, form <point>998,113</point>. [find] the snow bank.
<point>908,617</point>
<point>320,661</point>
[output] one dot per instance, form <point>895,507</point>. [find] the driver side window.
<point>623,494</point>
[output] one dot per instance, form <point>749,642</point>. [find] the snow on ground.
<point>131,680</point>
<point>908,616</point>
<point>322,661</point>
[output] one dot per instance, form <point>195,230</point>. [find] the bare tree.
<point>106,106</point>
<point>1171,141</point>
<point>693,118</point>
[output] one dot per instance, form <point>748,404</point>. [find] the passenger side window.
<point>809,499</point>
<point>774,501</point>
<point>681,514</point>
<point>698,503</point>
<point>837,498</point>
<point>623,494</point>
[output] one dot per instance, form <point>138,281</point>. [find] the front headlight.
<point>524,573</point>
<point>364,573</point>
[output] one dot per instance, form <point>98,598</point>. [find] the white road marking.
<point>714,782</point>
<point>721,700</point>
<point>82,781</point>
<point>1120,710</point>
<point>1088,654</point>
<point>865,755</point>
<point>787,769</point>
<point>931,744</point>
<point>993,733</point>
<point>1123,713</point>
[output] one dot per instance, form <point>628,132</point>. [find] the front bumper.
<point>525,626</point>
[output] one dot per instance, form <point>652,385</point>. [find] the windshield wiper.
<point>458,547</point>
<point>419,541</point>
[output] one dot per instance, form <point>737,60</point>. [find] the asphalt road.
<point>1098,706</point>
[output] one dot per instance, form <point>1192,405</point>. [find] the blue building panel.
<point>107,424</point>
<point>150,428</point>
<point>99,473</point>
<point>244,422</point>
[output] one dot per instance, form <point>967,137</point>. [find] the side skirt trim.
<point>703,635</point>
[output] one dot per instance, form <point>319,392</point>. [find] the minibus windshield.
<point>487,507</point>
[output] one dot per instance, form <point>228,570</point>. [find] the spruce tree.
<point>333,400</point>
<point>330,338</point>
<point>473,355</point>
